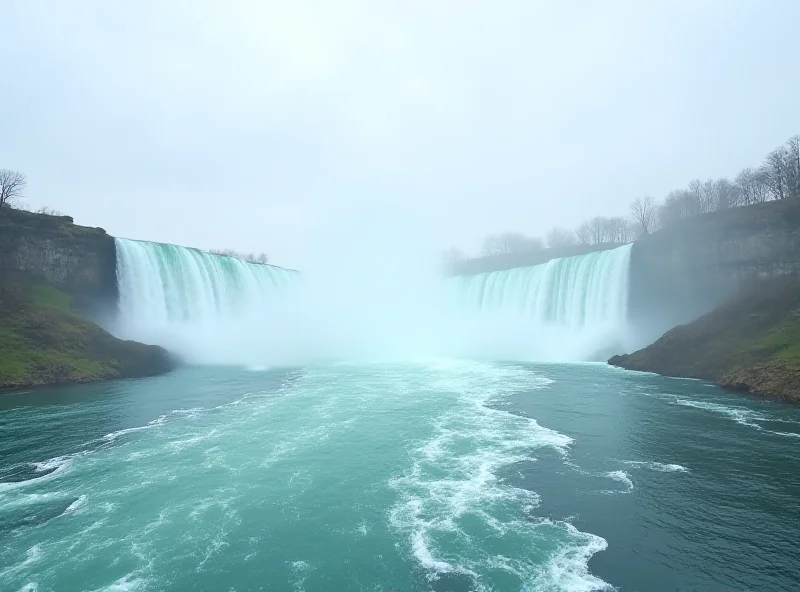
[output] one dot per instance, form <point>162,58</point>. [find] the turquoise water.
<point>443,475</point>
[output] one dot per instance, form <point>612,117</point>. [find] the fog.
<point>376,305</point>
<point>306,129</point>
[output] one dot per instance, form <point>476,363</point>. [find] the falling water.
<point>165,287</point>
<point>574,292</point>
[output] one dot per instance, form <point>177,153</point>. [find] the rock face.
<point>751,343</point>
<point>43,341</point>
<point>78,260</point>
<point>690,267</point>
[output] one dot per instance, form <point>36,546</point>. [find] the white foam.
<point>740,415</point>
<point>454,474</point>
<point>51,468</point>
<point>76,505</point>
<point>423,554</point>
<point>160,420</point>
<point>787,434</point>
<point>30,587</point>
<point>300,571</point>
<point>33,555</point>
<point>569,568</point>
<point>128,583</point>
<point>657,466</point>
<point>622,477</point>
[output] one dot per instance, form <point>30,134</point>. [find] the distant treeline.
<point>777,178</point>
<point>249,257</point>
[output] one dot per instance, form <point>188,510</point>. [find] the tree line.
<point>260,258</point>
<point>777,178</point>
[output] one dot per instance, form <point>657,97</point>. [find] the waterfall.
<point>574,292</point>
<point>217,309</point>
<point>163,286</point>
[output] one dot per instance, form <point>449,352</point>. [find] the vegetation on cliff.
<point>751,343</point>
<point>43,340</point>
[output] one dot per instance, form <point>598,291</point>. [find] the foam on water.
<point>740,415</point>
<point>657,466</point>
<point>622,477</point>
<point>568,570</point>
<point>452,489</point>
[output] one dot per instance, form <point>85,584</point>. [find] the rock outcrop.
<point>44,340</point>
<point>78,260</point>
<point>750,343</point>
<point>688,268</point>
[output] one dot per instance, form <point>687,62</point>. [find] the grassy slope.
<point>44,341</point>
<point>751,343</point>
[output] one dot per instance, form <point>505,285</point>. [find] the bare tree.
<point>600,230</point>
<point>618,230</point>
<point>679,204</point>
<point>12,184</point>
<point>705,194</point>
<point>792,158</point>
<point>261,258</point>
<point>645,215</point>
<point>752,187</point>
<point>592,231</point>
<point>727,194</point>
<point>776,174</point>
<point>561,237</point>
<point>584,234</point>
<point>510,242</point>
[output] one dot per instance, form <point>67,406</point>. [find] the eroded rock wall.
<point>689,268</point>
<point>77,259</point>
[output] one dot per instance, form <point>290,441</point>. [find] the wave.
<point>453,480</point>
<point>569,568</point>
<point>621,477</point>
<point>657,466</point>
<point>740,415</point>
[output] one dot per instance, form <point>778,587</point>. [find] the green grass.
<point>760,326</point>
<point>47,296</point>
<point>783,343</point>
<point>43,340</point>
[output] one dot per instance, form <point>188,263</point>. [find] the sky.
<point>341,128</point>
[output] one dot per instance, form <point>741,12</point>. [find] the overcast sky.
<point>290,127</point>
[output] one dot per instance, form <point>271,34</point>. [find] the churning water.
<point>391,433</point>
<point>444,476</point>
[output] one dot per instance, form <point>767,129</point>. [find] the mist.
<point>369,300</point>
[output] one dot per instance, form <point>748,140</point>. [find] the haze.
<point>292,127</point>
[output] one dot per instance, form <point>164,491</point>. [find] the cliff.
<point>688,268</point>
<point>751,343</point>
<point>78,260</point>
<point>43,340</point>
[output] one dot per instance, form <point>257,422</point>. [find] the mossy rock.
<point>751,343</point>
<point>43,340</point>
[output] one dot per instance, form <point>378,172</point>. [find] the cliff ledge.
<point>44,341</point>
<point>751,343</point>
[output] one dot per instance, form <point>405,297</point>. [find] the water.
<point>578,291</point>
<point>166,289</point>
<point>220,310</point>
<point>347,431</point>
<point>445,475</point>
